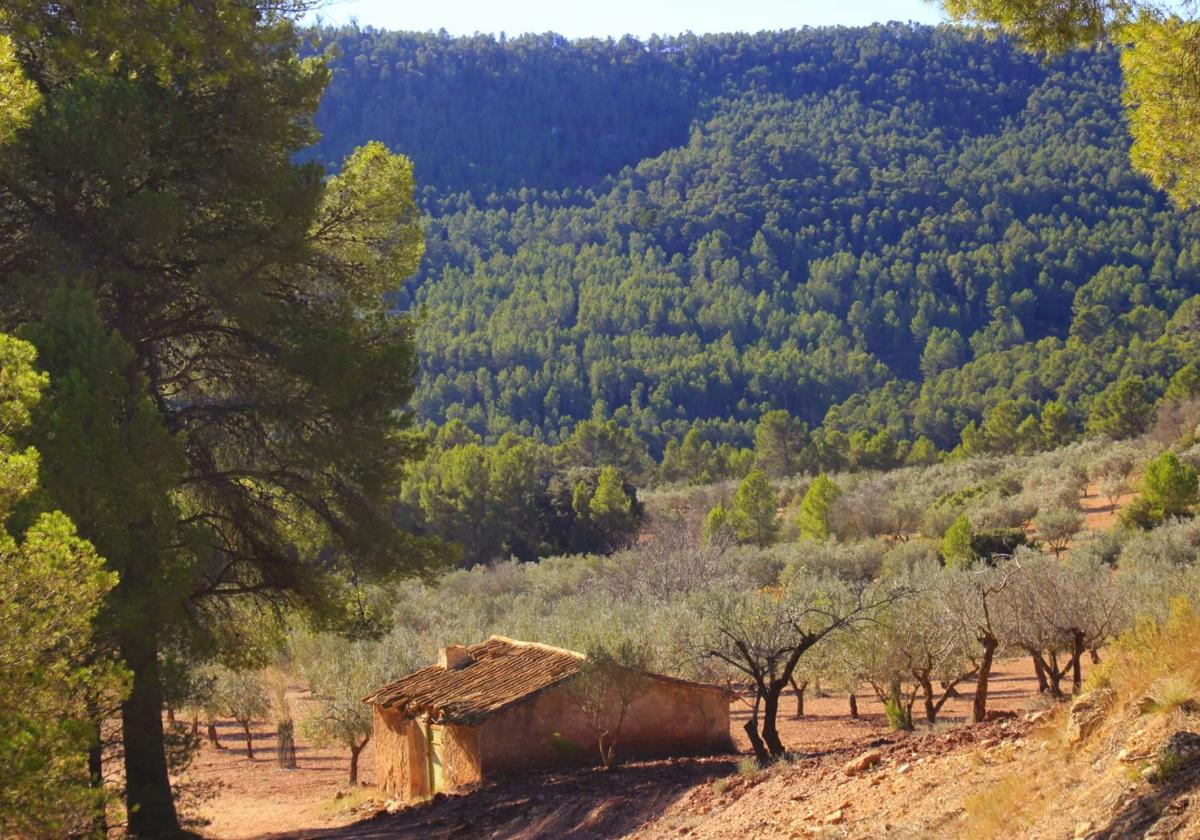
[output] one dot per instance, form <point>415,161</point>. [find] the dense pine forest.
<point>893,229</point>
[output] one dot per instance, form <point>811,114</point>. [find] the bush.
<point>1169,485</point>
<point>1139,513</point>
<point>958,550</point>
<point>903,558</point>
<point>998,541</point>
<point>899,716</point>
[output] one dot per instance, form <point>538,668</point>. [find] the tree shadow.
<point>1160,806</point>
<point>574,804</point>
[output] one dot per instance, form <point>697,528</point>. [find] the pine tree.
<point>1000,427</point>
<point>779,443</point>
<point>716,523</point>
<point>753,515</point>
<point>52,585</point>
<point>1169,486</point>
<point>923,453</point>
<point>159,174</point>
<point>610,509</point>
<point>958,551</point>
<point>1122,410</point>
<point>816,506</point>
<point>110,463</point>
<point>1184,385</point>
<point>1056,425</point>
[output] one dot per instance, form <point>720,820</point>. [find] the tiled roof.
<point>493,675</point>
<point>498,672</point>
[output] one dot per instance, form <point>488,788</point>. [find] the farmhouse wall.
<point>550,728</point>
<point>402,757</point>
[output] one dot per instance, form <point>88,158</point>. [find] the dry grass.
<point>1007,808</point>
<point>1155,666</point>
<point>1154,670</point>
<point>749,768</point>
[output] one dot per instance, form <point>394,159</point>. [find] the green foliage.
<point>1121,410</point>
<point>1140,513</point>
<point>958,549</point>
<point>899,715</point>
<point>1161,65</point>
<point>972,442</point>
<point>1055,527</point>
<point>1057,427</point>
<point>1000,427</point>
<point>716,523</point>
<point>339,674</point>
<point>816,506</point>
<point>266,369</point>
<point>53,672</point>
<point>18,95</point>
<point>605,444</point>
<point>111,464</point>
<point>944,350</point>
<point>511,500</point>
<point>240,696</point>
<point>1159,60</point>
<point>695,460</point>
<point>610,508</point>
<point>780,441</point>
<point>762,259</point>
<point>991,542</point>
<point>1184,385</point>
<point>924,453</point>
<point>1169,486</point>
<point>753,515</point>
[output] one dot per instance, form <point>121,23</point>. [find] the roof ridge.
<point>541,645</point>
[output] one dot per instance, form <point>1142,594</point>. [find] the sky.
<point>577,19</point>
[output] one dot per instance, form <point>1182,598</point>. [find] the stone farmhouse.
<point>505,705</point>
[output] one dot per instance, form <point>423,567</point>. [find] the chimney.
<point>454,657</point>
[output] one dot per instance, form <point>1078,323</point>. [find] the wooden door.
<point>437,779</point>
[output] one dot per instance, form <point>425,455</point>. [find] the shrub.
<point>958,550</point>
<point>899,716</point>
<point>997,541</point>
<point>1169,485</point>
<point>1139,513</point>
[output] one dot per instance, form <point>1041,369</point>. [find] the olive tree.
<point>340,673</point>
<point>1058,611</point>
<point>1057,526</point>
<point>763,635</point>
<point>240,696</point>
<point>974,597</point>
<point>610,679</point>
<point>921,642</point>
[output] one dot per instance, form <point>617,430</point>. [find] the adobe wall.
<point>460,756</point>
<point>396,754</point>
<point>668,719</point>
<point>402,758</point>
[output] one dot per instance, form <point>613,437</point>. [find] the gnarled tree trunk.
<point>979,707</point>
<point>799,689</point>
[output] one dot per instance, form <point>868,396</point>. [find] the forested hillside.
<point>895,228</point>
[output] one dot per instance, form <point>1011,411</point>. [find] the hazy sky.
<point>619,17</point>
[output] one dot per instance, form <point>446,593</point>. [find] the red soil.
<point>259,800</point>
